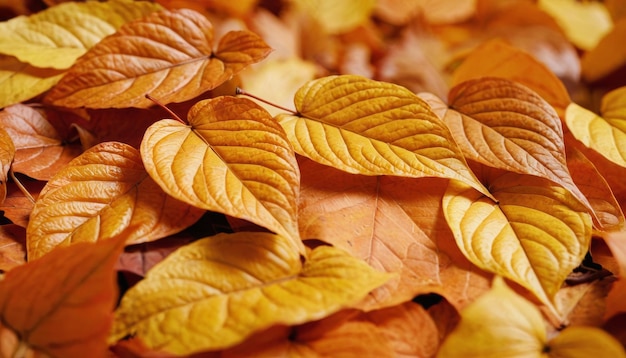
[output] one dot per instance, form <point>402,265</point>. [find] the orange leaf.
<point>608,56</point>
<point>7,153</point>
<point>62,304</point>
<point>168,54</point>
<point>12,247</point>
<point>616,300</point>
<point>17,206</point>
<point>104,193</point>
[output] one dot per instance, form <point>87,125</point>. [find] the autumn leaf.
<point>607,57</point>
<point>335,17</point>
<point>57,36</point>
<point>17,206</point>
<point>263,272</point>
<point>604,134</point>
<point>20,81</point>
<point>101,194</point>
<point>373,128</point>
<point>62,304</point>
<point>7,153</point>
<point>536,234</point>
<point>232,158</point>
<point>504,324</point>
<point>12,247</point>
<point>168,54</point>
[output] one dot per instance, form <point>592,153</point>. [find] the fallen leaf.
<point>583,342</point>
<point>334,17</point>
<point>12,246</point>
<point>20,81</point>
<point>64,314</point>
<point>222,275</point>
<point>535,235</point>
<point>57,36</point>
<point>373,128</point>
<point>101,194</point>
<point>7,152</point>
<point>17,206</point>
<point>615,302</point>
<point>607,57</point>
<point>158,63</point>
<point>232,158</point>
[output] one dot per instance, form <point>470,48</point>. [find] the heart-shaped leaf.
<point>217,291</point>
<point>7,152</point>
<point>104,193</point>
<point>232,158</point>
<point>536,234</point>
<point>168,54</point>
<point>373,128</point>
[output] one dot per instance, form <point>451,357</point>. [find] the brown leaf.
<point>168,54</point>
<point>7,153</point>
<point>17,206</point>
<point>12,246</point>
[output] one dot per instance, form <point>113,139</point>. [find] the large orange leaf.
<point>536,234</point>
<point>168,54</point>
<point>104,193</point>
<point>604,134</point>
<point>40,151</point>
<point>20,81</point>
<point>373,128</point>
<point>504,125</point>
<point>62,304</point>
<point>504,324</point>
<point>217,291</point>
<point>232,158</point>
<point>395,225</point>
<point>7,153</point>
<point>57,36</point>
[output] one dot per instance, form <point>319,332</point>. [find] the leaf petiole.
<point>158,103</point>
<point>244,93</point>
<point>21,187</point>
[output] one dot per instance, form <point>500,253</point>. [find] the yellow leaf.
<point>232,158</point>
<point>217,291</point>
<point>373,128</point>
<point>336,17</point>
<point>585,342</point>
<point>504,125</point>
<point>536,234</point>
<point>584,23</point>
<point>57,36</point>
<point>607,134</point>
<point>607,57</point>
<point>104,193</point>
<point>498,324</point>
<point>7,152</point>
<point>168,54</point>
<point>20,81</point>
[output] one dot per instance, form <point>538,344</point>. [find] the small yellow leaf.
<point>215,292</point>
<point>336,17</point>
<point>168,55</point>
<point>585,342</point>
<point>57,36</point>
<point>104,193</point>
<point>232,158</point>
<point>20,81</point>
<point>373,128</point>
<point>607,134</point>
<point>7,152</point>
<point>498,324</point>
<point>536,234</point>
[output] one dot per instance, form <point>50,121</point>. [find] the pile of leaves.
<point>313,178</point>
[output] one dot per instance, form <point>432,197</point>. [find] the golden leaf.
<point>585,342</point>
<point>336,17</point>
<point>607,57</point>
<point>57,36</point>
<point>62,304</point>
<point>20,81</point>
<point>607,134</point>
<point>536,234</point>
<point>7,152</point>
<point>232,158</point>
<point>101,194</point>
<point>168,54</point>
<point>367,127</point>
<point>235,285</point>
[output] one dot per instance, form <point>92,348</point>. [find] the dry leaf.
<point>232,158</point>
<point>12,246</point>
<point>158,63</point>
<point>17,206</point>
<point>104,193</point>
<point>607,57</point>
<point>214,312</point>
<point>7,153</point>
<point>334,17</point>
<point>20,81</point>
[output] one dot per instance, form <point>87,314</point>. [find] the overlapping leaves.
<point>7,152</point>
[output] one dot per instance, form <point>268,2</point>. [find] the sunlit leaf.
<point>20,81</point>
<point>373,128</point>
<point>168,54</point>
<point>7,153</point>
<point>57,36</point>
<point>336,16</point>
<point>62,304</point>
<point>104,193</point>
<point>607,134</point>
<point>504,125</point>
<point>232,158</point>
<point>217,291</point>
<point>607,57</point>
<point>536,234</point>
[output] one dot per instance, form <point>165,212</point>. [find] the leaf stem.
<point>244,93</point>
<point>158,103</point>
<point>21,187</point>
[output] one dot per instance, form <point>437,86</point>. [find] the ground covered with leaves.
<point>372,178</point>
